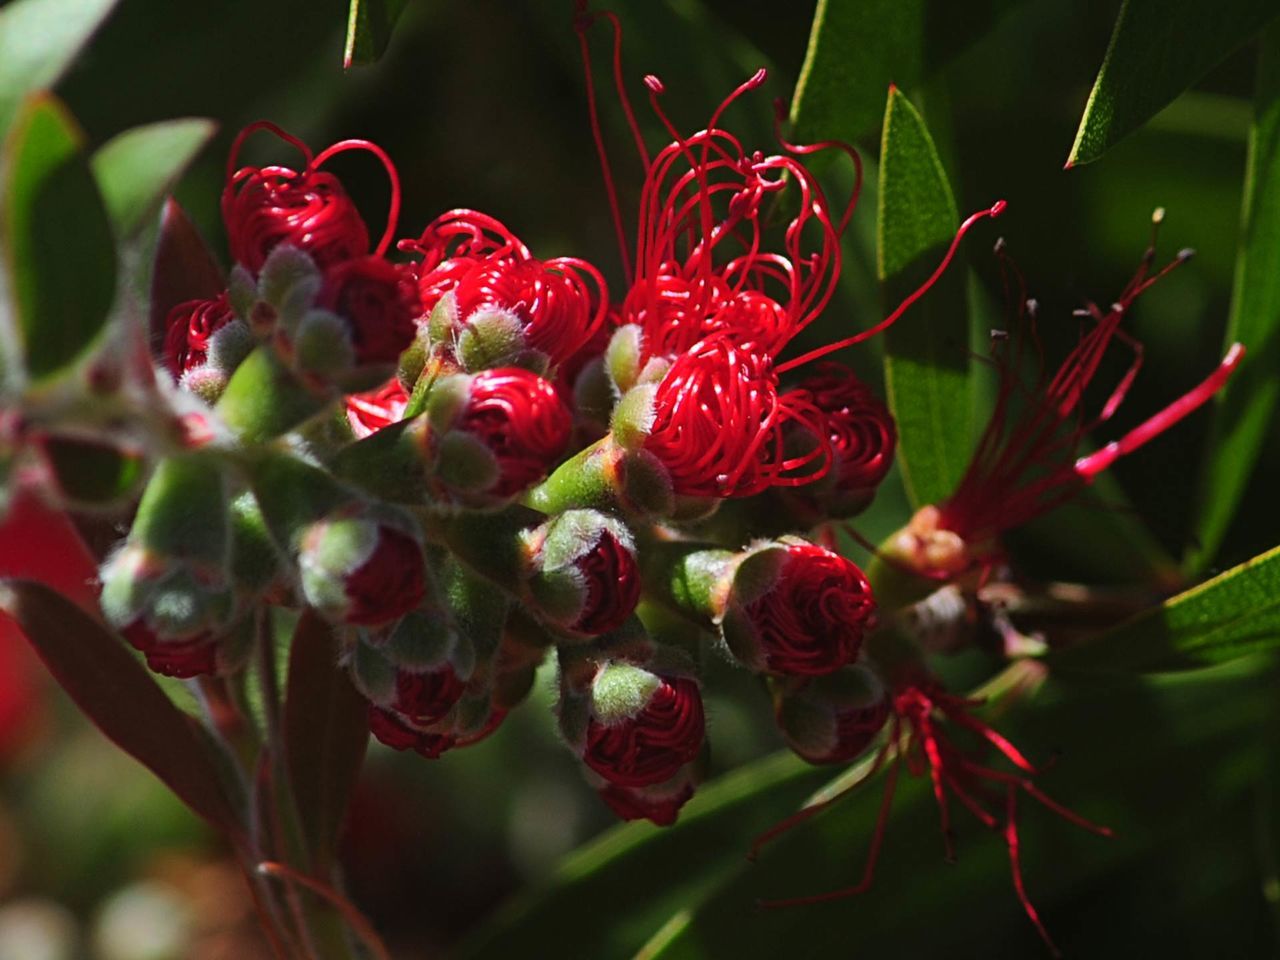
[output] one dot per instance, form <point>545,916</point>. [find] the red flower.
<point>390,583</point>
<point>612,579</point>
<point>183,657</point>
<point>857,424</point>
<point>189,328</point>
<point>1026,460</point>
<point>266,206</point>
<point>369,412</point>
<point>833,719</point>
<point>559,303</point>
<point>521,419</point>
<point>812,619</point>
<point>396,732</point>
<point>378,300</point>
<point>650,746</point>
<point>717,424</point>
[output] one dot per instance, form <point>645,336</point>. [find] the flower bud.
<point>189,328</point>
<point>584,576</point>
<point>514,416</point>
<point>369,412</point>
<point>796,609</point>
<point>355,569</point>
<point>861,433</point>
<point>378,301</point>
<point>660,803</point>
<point>265,207</point>
<point>642,727</point>
<point>834,718</point>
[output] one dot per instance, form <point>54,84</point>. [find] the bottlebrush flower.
<point>796,609</point>
<point>498,301</point>
<point>583,572</point>
<point>496,433</point>
<point>921,709</point>
<point>1026,462</point>
<point>369,412</point>
<point>189,328</point>
<point>833,718</point>
<point>357,570</point>
<point>861,432</point>
<point>379,302</point>
<point>642,726</point>
<point>308,209</point>
<point>182,657</point>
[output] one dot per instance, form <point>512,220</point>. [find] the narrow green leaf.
<point>115,691</point>
<point>1233,615</point>
<point>58,252</point>
<point>1158,49</point>
<point>39,39</point>
<point>606,893</point>
<point>1244,411</point>
<point>926,352</point>
<point>137,168</point>
<point>859,47</point>
<point>326,733</point>
<point>369,26</point>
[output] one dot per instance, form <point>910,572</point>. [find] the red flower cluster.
<point>652,745</point>
<point>390,583</point>
<point>188,329</point>
<point>612,579</point>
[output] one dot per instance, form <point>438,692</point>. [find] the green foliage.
<point>136,169</point>
<point>369,26</point>
<point>926,365</point>
<point>1159,48</point>
<point>58,251</point>
<point>1234,615</point>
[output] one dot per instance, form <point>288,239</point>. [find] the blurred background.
<point>481,104</point>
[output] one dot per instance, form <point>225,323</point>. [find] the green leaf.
<point>369,26</point>
<point>1234,615</point>
<point>926,352</point>
<point>326,731</point>
<point>615,891</point>
<point>1158,49</point>
<point>39,39</point>
<point>857,48</point>
<point>137,168</point>
<point>1244,410</point>
<point>57,246</point>
<point>115,691</point>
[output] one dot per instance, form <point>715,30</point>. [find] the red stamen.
<point>994,211</point>
<point>393,207</point>
<point>1090,466</point>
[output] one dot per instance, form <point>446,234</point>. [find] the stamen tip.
<point>999,246</point>
<point>997,208</point>
<point>1157,215</point>
<point>1186,253</point>
<point>757,78</point>
<point>654,84</point>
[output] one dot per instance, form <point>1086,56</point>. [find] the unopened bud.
<point>834,718</point>
<point>584,576</point>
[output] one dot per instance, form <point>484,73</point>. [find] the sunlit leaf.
<point>926,352</point>
<point>137,168</point>
<point>58,252</point>
<point>115,691</point>
<point>1158,49</point>
<point>326,732</point>
<point>369,26</point>
<point>39,39</point>
<point>1233,615</point>
<point>1245,409</point>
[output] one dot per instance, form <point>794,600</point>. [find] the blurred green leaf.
<point>369,26</point>
<point>1231,616</point>
<point>91,472</point>
<point>613,892</point>
<point>926,352</point>
<point>1244,411</point>
<point>137,168</point>
<point>57,246</point>
<point>115,691</point>
<point>326,731</point>
<point>857,48</point>
<point>39,39</point>
<point>1158,49</point>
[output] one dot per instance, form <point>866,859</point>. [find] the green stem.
<point>264,399</point>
